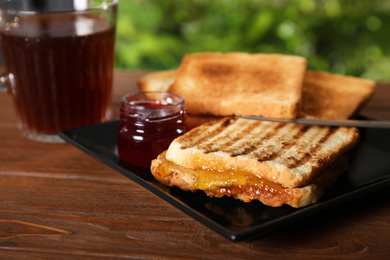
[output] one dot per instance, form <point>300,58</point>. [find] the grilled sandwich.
<point>274,163</point>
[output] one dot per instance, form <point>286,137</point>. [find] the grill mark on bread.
<point>226,139</point>
<point>313,150</point>
<point>254,144</point>
<point>191,139</point>
<point>223,140</point>
<point>285,145</point>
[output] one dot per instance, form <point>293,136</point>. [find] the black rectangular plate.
<point>233,219</point>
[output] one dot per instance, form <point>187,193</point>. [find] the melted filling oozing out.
<point>215,180</point>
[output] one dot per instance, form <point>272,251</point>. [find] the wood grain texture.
<point>56,202</point>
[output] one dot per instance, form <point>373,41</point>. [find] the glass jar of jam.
<point>149,123</point>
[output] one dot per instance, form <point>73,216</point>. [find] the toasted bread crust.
<point>241,84</point>
<point>227,184</point>
<point>288,154</point>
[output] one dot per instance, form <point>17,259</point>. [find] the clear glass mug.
<point>58,63</point>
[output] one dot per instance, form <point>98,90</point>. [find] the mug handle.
<point>6,81</point>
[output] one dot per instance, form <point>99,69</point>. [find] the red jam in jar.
<point>149,123</point>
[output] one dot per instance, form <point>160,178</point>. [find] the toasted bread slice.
<point>157,81</point>
<point>333,96</point>
<point>288,154</point>
<point>267,85</point>
<point>324,95</point>
<point>243,186</point>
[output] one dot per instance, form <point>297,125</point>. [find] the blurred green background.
<point>350,37</point>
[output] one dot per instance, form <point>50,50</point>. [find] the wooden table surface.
<point>56,202</point>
